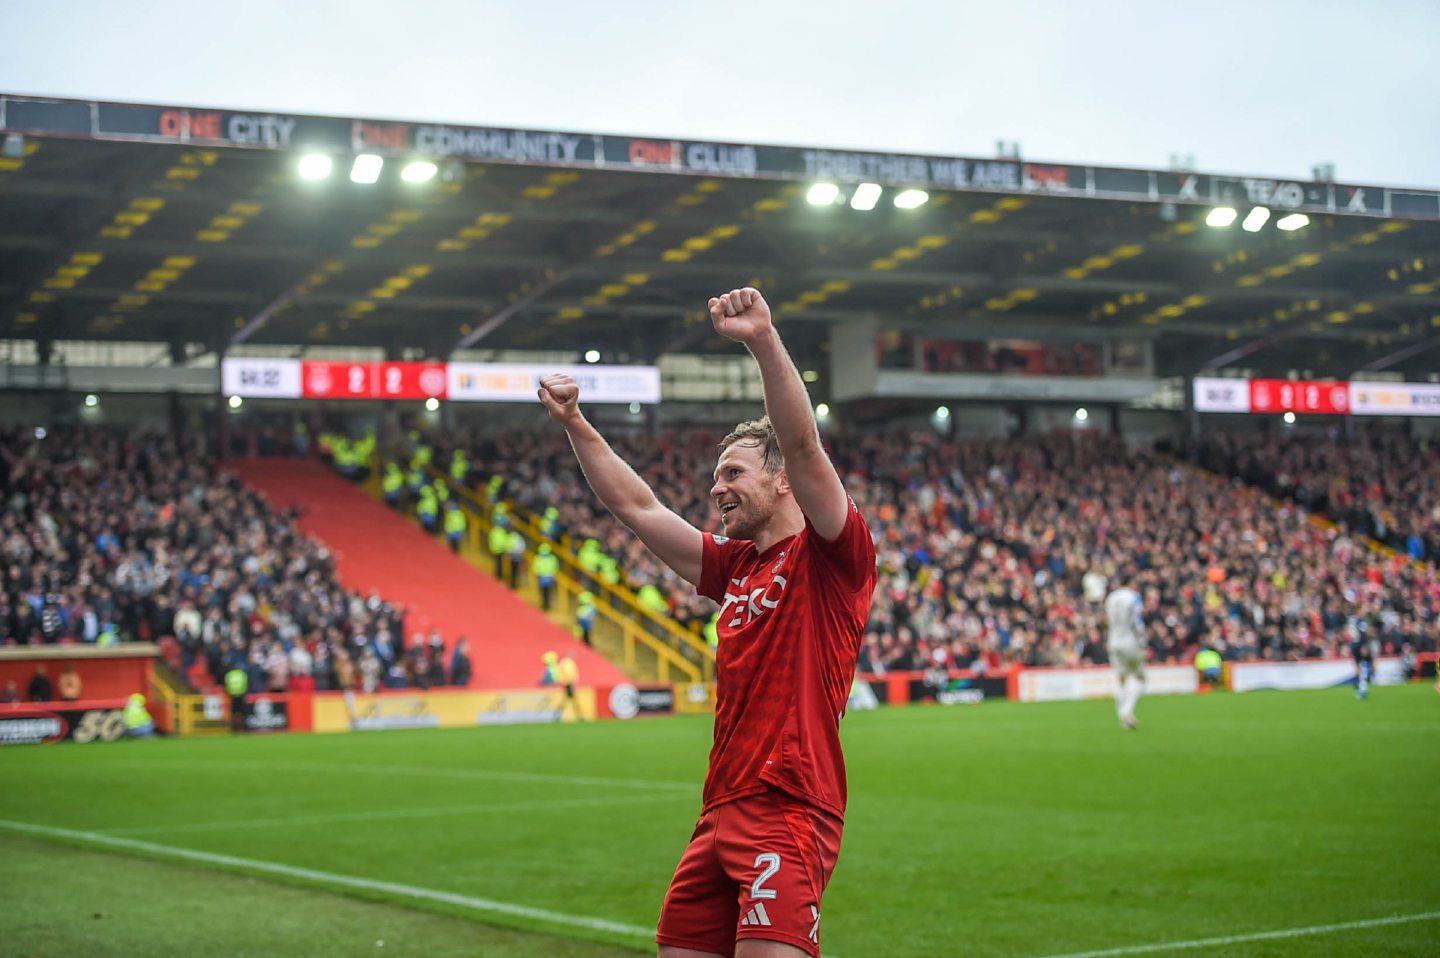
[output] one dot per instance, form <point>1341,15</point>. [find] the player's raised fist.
<point>561,396</point>
<point>741,315</point>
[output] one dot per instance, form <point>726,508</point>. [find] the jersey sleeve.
<point>849,560</point>
<point>717,555</point>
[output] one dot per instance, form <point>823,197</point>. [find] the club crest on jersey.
<point>719,540</point>
<point>744,605</point>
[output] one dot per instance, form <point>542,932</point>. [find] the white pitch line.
<point>1257,936</point>
<point>387,814</point>
<point>432,771</point>
<point>330,878</point>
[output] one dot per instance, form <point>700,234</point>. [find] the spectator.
<point>460,663</point>
<point>40,689</point>
<point>436,655</point>
<point>277,668</point>
<point>10,694</point>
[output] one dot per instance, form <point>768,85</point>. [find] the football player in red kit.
<point>794,574</point>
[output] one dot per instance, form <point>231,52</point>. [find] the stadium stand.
<point>986,545</point>
<point>1385,485</point>
<point>446,597</point>
<point>114,537</point>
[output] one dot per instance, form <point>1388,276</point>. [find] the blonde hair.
<point>758,434</point>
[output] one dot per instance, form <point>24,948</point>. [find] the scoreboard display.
<point>1310,397</point>
<point>463,382</point>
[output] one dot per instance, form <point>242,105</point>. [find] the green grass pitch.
<point>995,830</point>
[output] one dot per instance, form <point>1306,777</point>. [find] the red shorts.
<point>755,868</point>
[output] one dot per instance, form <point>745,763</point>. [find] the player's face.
<point>744,492</point>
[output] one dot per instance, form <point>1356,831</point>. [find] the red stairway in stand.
<point>377,549</point>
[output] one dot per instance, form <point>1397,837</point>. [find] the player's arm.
<point>744,316</point>
<point>673,540</point>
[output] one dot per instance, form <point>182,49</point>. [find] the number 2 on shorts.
<point>771,861</point>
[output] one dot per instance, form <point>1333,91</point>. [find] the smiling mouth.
<point>727,508</point>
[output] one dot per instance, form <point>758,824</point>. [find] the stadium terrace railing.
<point>184,713</point>
<point>620,634</point>
<point>621,601</point>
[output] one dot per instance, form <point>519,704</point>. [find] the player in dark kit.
<point>1362,649</point>
<point>794,574</point>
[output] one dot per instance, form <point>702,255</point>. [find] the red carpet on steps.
<point>380,550</point>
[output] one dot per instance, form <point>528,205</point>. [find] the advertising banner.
<point>357,711</point>
<point>93,120</point>
<point>628,701</point>
<point>1309,674</point>
<point>956,688</point>
<point>517,382</point>
<point>1394,399</point>
<point>44,723</point>
<point>1058,685</point>
<point>265,713</point>
<point>1315,397</point>
<point>695,697</point>
<point>279,378</point>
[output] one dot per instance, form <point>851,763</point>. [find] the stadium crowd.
<point>1382,485</point>
<point>991,552</point>
<point>994,552</point>
<point>111,536</point>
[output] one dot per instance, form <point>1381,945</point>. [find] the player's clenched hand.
<point>561,395</point>
<point>741,315</point>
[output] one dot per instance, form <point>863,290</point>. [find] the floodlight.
<point>1255,219</point>
<point>419,171</point>
<point>315,166</point>
<point>432,404</point>
<point>1082,414</point>
<point>822,410</point>
<point>822,194</point>
<point>1292,222</point>
<point>366,168</point>
<point>592,355</point>
<point>865,197</point>
<point>1220,216</point>
<point>236,402</point>
<point>910,199</point>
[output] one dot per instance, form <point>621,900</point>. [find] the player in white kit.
<point>1123,609</point>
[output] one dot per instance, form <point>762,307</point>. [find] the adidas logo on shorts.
<point>756,916</point>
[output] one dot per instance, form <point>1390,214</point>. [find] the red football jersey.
<point>790,625</point>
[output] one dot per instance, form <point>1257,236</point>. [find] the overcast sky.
<point>1247,86</point>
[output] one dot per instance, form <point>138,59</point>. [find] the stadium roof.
<point>182,225</point>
